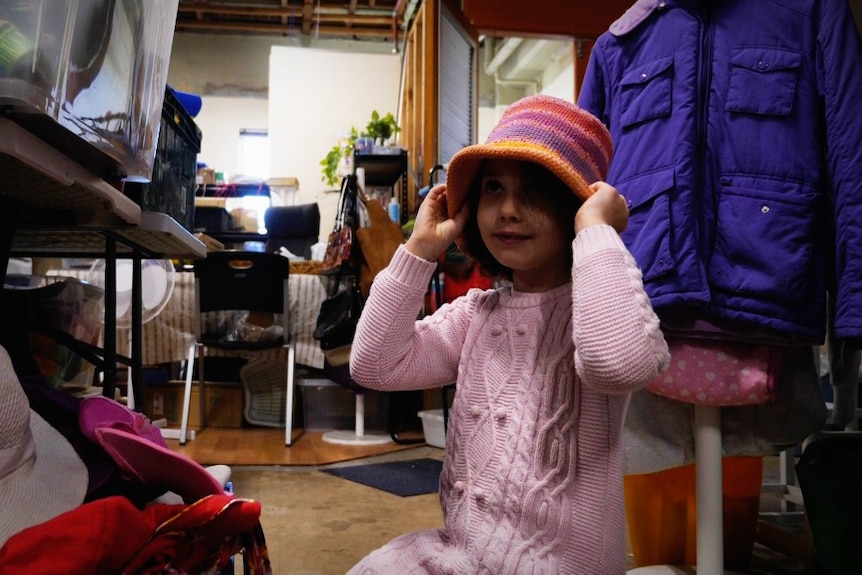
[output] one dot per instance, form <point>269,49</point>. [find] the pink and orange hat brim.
<point>568,141</point>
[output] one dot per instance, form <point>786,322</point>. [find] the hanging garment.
<point>737,129</point>
<point>719,373</point>
<point>659,432</point>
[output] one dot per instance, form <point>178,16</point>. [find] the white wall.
<point>558,81</point>
<point>558,78</point>
<point>305,96</point>
<point>220,121</point>
<point>315,96</point>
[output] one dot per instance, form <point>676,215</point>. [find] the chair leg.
<point>359,415</point>
<point>288,414</point>
<point>187,395</point>
<point>202,388</point>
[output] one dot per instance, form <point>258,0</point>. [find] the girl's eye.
<point>492,186</point>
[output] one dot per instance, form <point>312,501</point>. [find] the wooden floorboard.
<point>265,446</point>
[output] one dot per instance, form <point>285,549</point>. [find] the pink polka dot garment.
<point>718,373</point>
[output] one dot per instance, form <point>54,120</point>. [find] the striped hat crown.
<point>568,141</point>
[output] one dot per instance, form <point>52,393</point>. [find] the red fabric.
<point>455,286</point>
<point>111,536</point>
<point>203,536</point>
<point>92,539</point>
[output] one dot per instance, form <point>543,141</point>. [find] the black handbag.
<point>336,324</point>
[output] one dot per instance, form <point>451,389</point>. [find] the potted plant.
<point>379,128</point>
<point>339,152</point>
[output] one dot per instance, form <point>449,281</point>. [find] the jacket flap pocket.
<point>646,72</point>
<point>765,59</point>
<point>649,230</point>
<point>643,189</point>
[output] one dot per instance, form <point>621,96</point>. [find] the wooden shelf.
<point>38,177</point>
<point>158,236</point>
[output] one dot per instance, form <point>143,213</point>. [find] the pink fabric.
<point>158,466</point>
<point>140,451</point>
<point>714,373</point>
<point>532,478</point>
<point>99,411</point>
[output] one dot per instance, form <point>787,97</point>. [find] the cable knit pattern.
<point>532,479</point>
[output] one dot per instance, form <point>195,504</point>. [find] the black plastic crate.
<point>172,186</point>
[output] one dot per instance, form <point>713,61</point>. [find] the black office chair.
<point>242,305</point>
<point>295,228</point>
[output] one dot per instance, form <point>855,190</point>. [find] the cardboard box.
<point>224,403</point>
<point>205,177</point>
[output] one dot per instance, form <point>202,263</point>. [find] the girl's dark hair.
<point>540,183</point>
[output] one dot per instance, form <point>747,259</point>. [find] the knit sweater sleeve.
<point>392,350</point>
<point>619,346</point>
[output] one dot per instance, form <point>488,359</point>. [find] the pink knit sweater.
<point>532,478</point>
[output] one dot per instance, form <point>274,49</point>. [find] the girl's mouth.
<point>510,237</point>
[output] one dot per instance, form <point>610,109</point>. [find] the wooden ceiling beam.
<point>564,18</point>
<point>257,11</point>
<point>281,30</point>
<point>307,15</point>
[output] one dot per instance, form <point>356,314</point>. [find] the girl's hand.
<point>605,206</point>
<point>434,230</point>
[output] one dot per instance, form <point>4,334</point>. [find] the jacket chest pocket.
<point>645,92</point>
<point>762,81</point>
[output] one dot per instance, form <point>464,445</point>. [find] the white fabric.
<point>41,475</point>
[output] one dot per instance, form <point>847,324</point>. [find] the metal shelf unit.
<point>386,170</point>
<point>52,206</point>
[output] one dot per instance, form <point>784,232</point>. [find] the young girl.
<point>532,478</point>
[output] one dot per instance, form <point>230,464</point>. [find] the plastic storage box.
<point>40,311</point>
<point>327,405</point>
<point>89,77</point>
<point>432,426</point>
<point>172,187</point>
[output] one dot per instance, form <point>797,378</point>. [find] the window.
<point>457,98</point>
<point>253,159</point>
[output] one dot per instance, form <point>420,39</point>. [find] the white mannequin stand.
<point>708,485</point>
<point>358,436</point>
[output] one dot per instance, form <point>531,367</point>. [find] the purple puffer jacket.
<point>737,127</point>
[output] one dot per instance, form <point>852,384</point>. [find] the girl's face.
<point>523,228</point>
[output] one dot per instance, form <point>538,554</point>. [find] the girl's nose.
<point>510,205</point>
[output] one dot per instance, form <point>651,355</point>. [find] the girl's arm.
<point>391,349</point>
<point>619,346</point>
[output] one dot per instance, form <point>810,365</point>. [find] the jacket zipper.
<point>705,196</point>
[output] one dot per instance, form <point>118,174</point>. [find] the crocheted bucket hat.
<point>570,142</point>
